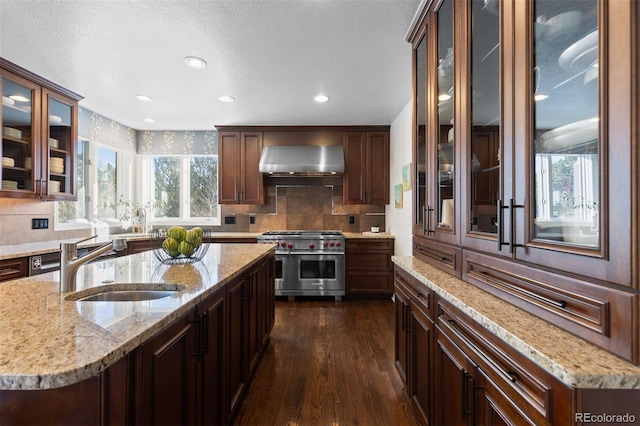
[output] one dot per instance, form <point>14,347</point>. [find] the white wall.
<point>399,219</point>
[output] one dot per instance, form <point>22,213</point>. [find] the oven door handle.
<point>316,253</point>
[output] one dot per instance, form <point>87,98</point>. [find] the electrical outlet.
<point>352,220</point>
<point>252,220</point>
<point>39,223</point>
<point>229,220</point>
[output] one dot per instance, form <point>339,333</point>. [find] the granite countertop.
<point>384,235</point>
<point>48,342</point>
<point>33,249</point>
<point>572,360</point>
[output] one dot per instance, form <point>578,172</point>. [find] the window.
<point>103,176</point>
<point>77,211</point>
<point>107,184</point>
<point>185,188</point>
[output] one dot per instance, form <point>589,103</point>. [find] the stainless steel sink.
<point>128,295</point>
<point>135,292</point>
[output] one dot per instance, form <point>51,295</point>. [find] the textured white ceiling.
<point>272,56</point>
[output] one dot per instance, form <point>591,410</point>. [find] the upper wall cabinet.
<point>39,134</point>
<point>366,178</point>
<point>239,180</point>
<point>524,132</point>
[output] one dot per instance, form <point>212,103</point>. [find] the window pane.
<point>565,89</point>
<point>166,176</point>
<point>203,189</point>
<point>69,210</point>
<point>106,184</point>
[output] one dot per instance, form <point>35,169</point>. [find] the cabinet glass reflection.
<point>565,90</point>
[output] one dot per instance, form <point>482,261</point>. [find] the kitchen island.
<point>53,349</point>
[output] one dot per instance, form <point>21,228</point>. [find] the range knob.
<point>283,244</point>
<point>338,244</point>
<point>312,246</point>
<point>332,244</point>
<point>325,244</point>
<point>290,246</point>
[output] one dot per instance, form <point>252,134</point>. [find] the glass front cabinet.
<point>39,134</point>
<point>526,158</point>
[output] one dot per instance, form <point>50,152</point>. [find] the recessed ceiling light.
<point>144,98</point>
<point>149,120</point>
<point>19,98</point>
<point>194,62</point>
<point>540,97</point>
<point>321,98</point>
<point>226,98</point>
<point>444,97</point>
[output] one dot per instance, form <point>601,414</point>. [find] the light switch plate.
<point>39,223</point>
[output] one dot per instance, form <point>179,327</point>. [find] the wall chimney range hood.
<point>302,160</point>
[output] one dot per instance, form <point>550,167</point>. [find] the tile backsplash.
<point>292,203</point>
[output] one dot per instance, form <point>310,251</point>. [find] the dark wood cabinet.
<point>369,270</point>
<point>239,179</point>
<point>414,343</point>
<point>11,269</point>
<point>457,372</point>
<point>212,322</point>
<point>139,246</point>
<point>167,365</point>
<point>524,158</point>
<point>39,136</point>
<point>366,177</point>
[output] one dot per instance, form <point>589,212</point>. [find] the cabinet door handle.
<point>204,334</point>
<point>500,217</point>
<point>509,375</point>
<point>428,211</point>
<point>467,399</point>
<point>512,226</point>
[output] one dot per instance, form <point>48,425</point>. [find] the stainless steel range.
<point>308,263</point>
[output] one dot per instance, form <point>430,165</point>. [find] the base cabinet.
<point>469,375</point>
<point>369,270</point>
<point>414,344</point>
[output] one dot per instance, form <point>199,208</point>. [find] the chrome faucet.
<point>70,262</point>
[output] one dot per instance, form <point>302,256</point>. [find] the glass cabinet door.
<point>19,133</point>
<point>420,81</point>
<point>484,100</point>
<point>442,203</point>
<point>566,141</point>
<point>60,146</point>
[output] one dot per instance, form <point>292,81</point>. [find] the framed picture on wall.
<point>406,177</point>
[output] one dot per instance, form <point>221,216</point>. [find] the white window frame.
<point>146,168</point>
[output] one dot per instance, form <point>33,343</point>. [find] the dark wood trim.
<point>303,128</point>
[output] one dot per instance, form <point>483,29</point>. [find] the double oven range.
<point>308,263</point>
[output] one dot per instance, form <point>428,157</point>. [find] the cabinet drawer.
<point>596,313</point>
<point>370,282</point>
<point>422,297</point>
<point>534,391</point>
<point>442,256</point>
<point>370,244</point>
<point>13,269</point>
<point>380,261</point>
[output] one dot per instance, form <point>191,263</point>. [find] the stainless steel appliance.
<point>308,263</point>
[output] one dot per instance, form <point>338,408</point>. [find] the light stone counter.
<point>48,342</point>
<point>383,235</point>
<point>33,249</point>
<point>572,360</point>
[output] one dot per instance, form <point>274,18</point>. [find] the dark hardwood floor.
<point>329,363</point>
